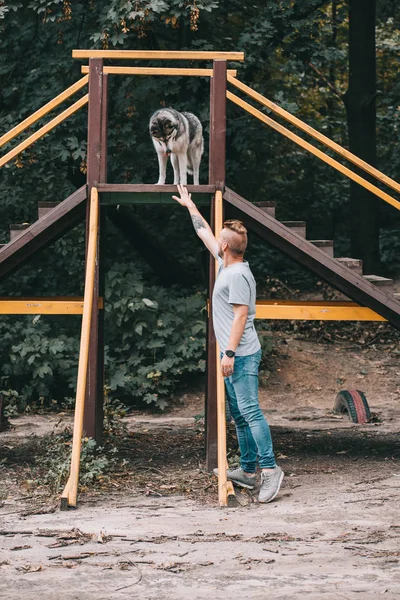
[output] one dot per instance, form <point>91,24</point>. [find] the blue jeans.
<point>252,429</point>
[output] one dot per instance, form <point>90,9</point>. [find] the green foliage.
<point>155,336</point>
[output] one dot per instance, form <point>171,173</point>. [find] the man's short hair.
<point>237,240</point>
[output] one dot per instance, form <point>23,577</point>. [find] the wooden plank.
<point>43,131</point>
<point>71,491</point>
<point>217,178</point>
<point>221,413</point>
<point>94,396</point>
<point>180,72</point>
<point>351,284</point>
<point>315,134</point>
<point>218,125</point>
<point>43,232</point>
<point>317,311</point>
<point>7,137</point>
<point>152,188</point>
<point>114,198</point>
<point>310,148</point>
<point>158,55</point>
<point>42,306</point>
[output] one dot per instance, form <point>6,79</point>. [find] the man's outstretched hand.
<point>185,199</point>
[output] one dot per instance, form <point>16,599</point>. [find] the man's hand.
<point>227,365</point>
<point>185,198</point>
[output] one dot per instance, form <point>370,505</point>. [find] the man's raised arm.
<point>200,225</point>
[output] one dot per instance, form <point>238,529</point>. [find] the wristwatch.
<point>230,353</point>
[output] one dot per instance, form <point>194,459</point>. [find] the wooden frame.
<point>158,55</point>
<point>315,134</point>
<point>69,495</point>
<point>7,137</point>
<point>43,130</point>
<point>310,148</point>
<point>182,72</point>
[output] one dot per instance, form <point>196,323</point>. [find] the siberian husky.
<point>179,135</point>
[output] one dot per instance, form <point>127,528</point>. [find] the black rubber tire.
<point>355,404</point>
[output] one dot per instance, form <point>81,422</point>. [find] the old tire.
<point>355,404</point>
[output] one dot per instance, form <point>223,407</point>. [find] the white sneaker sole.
<point>277,490</point>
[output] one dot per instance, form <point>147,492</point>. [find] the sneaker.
<point>270,484</point>
<point>239,477</point>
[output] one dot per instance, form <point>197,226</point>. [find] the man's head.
<point>233,239</point>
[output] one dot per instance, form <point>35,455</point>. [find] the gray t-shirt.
<point>235,285</point>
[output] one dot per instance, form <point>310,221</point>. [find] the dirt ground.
<point>157,532</point>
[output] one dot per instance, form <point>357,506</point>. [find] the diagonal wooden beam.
<point>315,134</point>
<point>43,232</point>
<point>313,150</point>
<point>39,114</point>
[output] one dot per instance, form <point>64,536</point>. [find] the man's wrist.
<point>230,353</point>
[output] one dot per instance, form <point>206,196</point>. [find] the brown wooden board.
<point>351,284</point>
<point>152,188</point>
<point>43,232</point>
<point>217,178</point>
<point>92,420</point>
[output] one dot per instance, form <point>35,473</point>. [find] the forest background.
<point>297,54</point>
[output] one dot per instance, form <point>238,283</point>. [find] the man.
<point>234,300</point>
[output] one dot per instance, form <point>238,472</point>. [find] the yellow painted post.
<point>225,487</point>
<point>70,492</point>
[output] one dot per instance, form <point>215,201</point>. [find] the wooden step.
<point>268,207</point>
<point>355,264</point>
<point>298,227</point>
<point>385,284</point>
<point>44,207</point>
<point>16,229</point>
<point>324,245</point>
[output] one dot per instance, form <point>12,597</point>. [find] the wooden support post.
<point>93,415</point>
<point>216,177</point>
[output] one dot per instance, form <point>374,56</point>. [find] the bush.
<point>154,338</point>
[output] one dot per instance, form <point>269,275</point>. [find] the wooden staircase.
<point>54,221</point>
<point>344,274</point>
<point>327,246</point>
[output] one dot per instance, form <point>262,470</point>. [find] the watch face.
<point>230,353</point>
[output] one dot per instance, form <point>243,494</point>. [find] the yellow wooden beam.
<point>310,148</point>
<point>43,111</point>
<point>43,306</point>
<point>157,71</point>
<point>315,311</point>
<point>158,55</point>
<point>315,134</point>
<point>43,130</point>
<point>69,495</point>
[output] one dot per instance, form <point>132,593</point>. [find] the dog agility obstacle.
<point>369,300</point>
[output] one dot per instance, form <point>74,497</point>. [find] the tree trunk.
<point>361,121</point>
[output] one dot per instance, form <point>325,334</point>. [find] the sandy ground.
<point>333,532</point>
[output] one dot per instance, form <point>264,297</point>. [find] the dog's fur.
<point>179,135</point>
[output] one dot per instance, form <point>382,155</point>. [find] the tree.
<point>360,102</point>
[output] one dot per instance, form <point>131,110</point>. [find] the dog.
<point>180,136</point>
